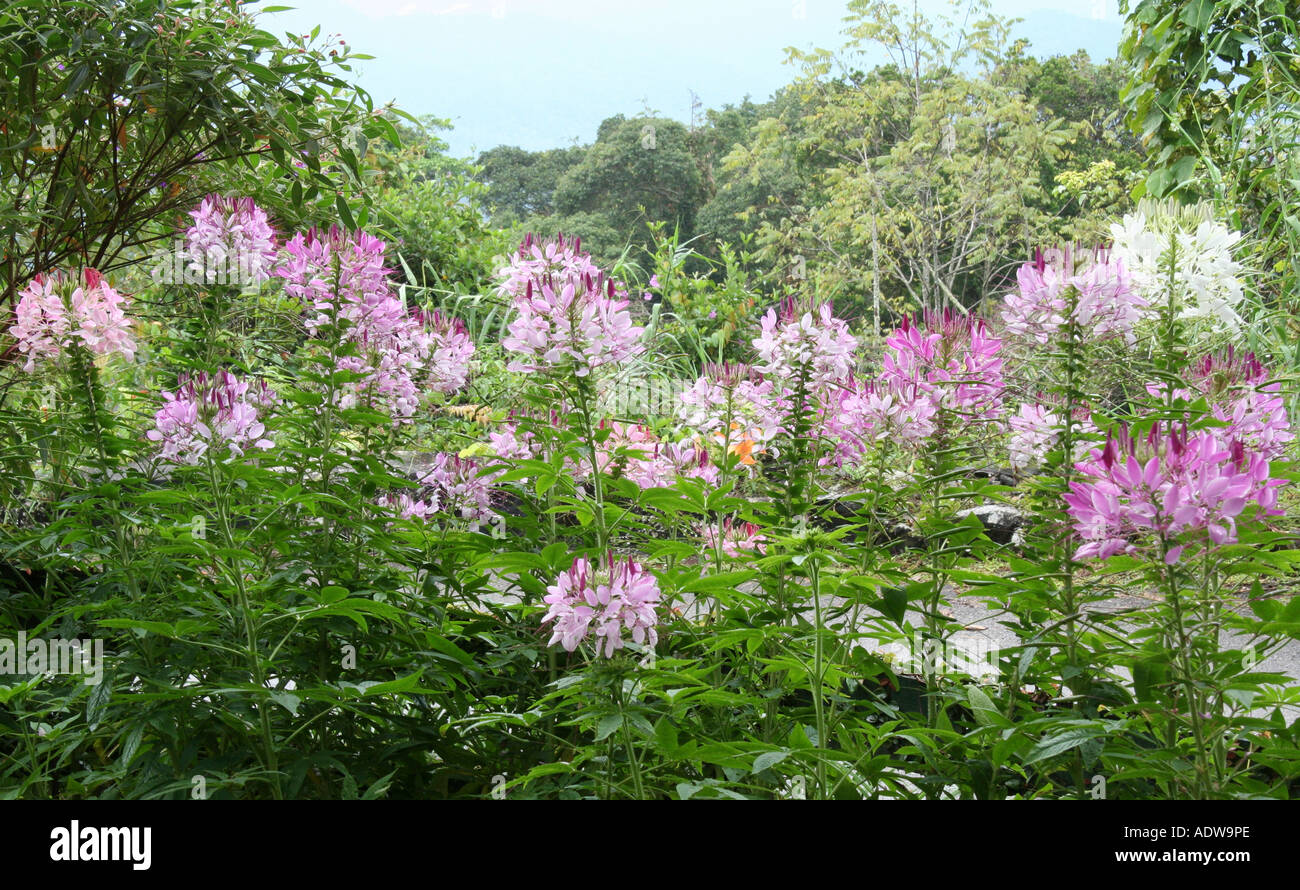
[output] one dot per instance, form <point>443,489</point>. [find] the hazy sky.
<point>545,73</point>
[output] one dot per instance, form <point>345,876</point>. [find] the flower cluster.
<point>509,442</point>
<point>635,453</point>
<point>230,239</point>
<point>732,405</point>
<point>208,412</point>
<point>1106,304</point>
<point>572,322</point>
<point>735,539</point>
<point>397,353</point>
<point>812,342</point>
<point>536,260</point>
<point>869,412</point>
<point>1034,431</point>
<point>1238,390</point>
<point>453,486</point>
<point>1207,283</point>
<point>449,350</point>
<point>620,597</point>
<point>1180,487</point>
<point>333,273</point>
<point>92,316</point>
<point>952,358</point>
<point>568,313</point>
<point>1036,428</point>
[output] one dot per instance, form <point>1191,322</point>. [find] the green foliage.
<point>1213,94</point>
<point>522,184</point>
<point>434,208</point>
<point>638,171</point>
<point>118,116</point>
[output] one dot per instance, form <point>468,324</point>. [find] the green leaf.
<point>287,700</point>
<point>96,704</point>
<point>345,212</point>
<point>666,736</point>
<point>986,714</point>
<point>607,726</point>
<point>769,759</point>
<point>1052,745</point>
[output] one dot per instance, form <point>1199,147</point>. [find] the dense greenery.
<point>421,500</point>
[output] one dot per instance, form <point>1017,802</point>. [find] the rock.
<point>1002,524</point>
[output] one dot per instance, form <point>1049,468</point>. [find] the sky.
<point>544,73</point>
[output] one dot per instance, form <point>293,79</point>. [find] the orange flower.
<point>744,448</point>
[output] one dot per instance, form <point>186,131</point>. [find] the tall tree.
<point>116,112</point>
<point>927,172</point>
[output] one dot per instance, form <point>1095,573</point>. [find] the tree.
<point>433,206</point>
<point>118,115</point>
<point>639,170</point>
<point>1087,187</point>
<point>1214,94</point>
<point>521,184</point>
<point>927,175</point>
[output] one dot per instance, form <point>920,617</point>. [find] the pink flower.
<point>42,322</point>
<point>1034,432</point>
<point>333,271</point>
<point>536,260</point>
<point>953,358</point>
<point>209,411</point>
<point>510,443</point>
<point>1036,428</point>
<point>518,439</point>
<point>1178,487</point>
<point>231,240</point>
<point>732,403</point>
<point>92,315</point>
<point>620,597</point>
<point>574,322</point>
<point>1239,393</point>
<point>635,453</point>
<point>813,342</point>
<point>1107,304</point>
<point>864,414</point>
<point>736,539</point>
<point>446,353</point>
<point>400,354</point>
<point>453,486</point>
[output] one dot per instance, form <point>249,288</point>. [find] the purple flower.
<point>399,354</point>
<point>92,315</point>
<point>635,453</point>
<point>865,414</point>
<point>734,538</point>
<point>1178,487</point>
<point>208,411</point>
<point>335,273</point>
<point>953,358</point>
<point>568,315</point>
<point>231,239</point>
<point>1240,394</point>
<point>1107,304</point>
<point>453,486</point>
<point>813,342</point>
<point>536,260</point>
<point>732,403</point>
<point>621,596</point>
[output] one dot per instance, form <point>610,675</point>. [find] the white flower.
<point>1207,283</point>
